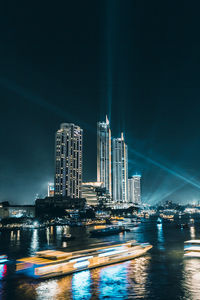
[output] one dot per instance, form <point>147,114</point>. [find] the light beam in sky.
<point>164,168</point>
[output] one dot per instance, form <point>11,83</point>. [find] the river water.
<point>162,274</point>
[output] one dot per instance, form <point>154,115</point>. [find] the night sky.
<point>76,61</point>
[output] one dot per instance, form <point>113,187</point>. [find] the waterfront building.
<point>104,155</point>
<point>95,194</point>
<point>134,190</point>
<point>50,189</point>
<point>120,170</point>
<point>90,191</point>
<point>58,205</point>
<point>68,169</point>
<point>16,211</point>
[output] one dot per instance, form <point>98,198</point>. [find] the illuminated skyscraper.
<point>120,170</point>
<point>104,154</point>
<point>131,190</point>
<point>68,173</point>
<point>134,190</point>
<point>137,189</point>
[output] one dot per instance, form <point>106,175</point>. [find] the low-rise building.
<point>96,194</point>
<point>58,205</point>
<point>91,192</point>
<point>16,211</point>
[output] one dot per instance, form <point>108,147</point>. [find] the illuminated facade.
<point>131,190</point>
<point>120,170</point>
<point>50,189</point>
<point>68,173</point>
<point>17,211</point>
<point>90,192</point>
<point>104,155</point>
<point>134,189</point>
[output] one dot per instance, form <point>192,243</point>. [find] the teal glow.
<point>112,283</point>
<point>81,285</point>
<point>167,169</point>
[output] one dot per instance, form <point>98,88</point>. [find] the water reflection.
<point>113,281</point>
<point>81,283</point>
<point>47,290</point>
<point>192,232</point>
<point>158,275</point>
<point>191,275</point>
<point>15,236</point>
<point>3,271</point>
<point>160,237</point>
<point>47,235</point>
<point>137,277</point>
<point>58,230</point>
<point>34,241</point>
<point>118,281</point>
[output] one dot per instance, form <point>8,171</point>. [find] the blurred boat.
<point>52,263</point>
<point>3,259</point>
<point>192,248</point>
<point>108,231</point>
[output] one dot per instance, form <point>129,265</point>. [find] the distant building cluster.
<point>112,167</point>
<point>113,187</point>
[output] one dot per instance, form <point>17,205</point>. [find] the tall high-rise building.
<point>137,189</point>
<point>68,173</point>
<point>104,155</point>
<point>120,170</point>
<point>134,189</point>
<point>131,190</point>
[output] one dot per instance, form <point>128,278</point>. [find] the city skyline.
<point>138,63</point>
<point>112,166</point>
<point>99,156</point>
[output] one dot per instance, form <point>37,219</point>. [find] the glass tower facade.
<point>134,190</point>
<point>68,161</point>
<point>137,189</point>
<point>104,155</point>
<point>120,170</point>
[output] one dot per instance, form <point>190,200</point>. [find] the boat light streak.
<point>111,253</point>
<point>3,257</point>
<point>81,258</point>
<point>111,249</point>
<point>192,254</point>
<point>81,264</point>
<point>3,261</point>
<point>197,248</point>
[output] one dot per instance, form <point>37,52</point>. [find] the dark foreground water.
<point>161,274</point>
